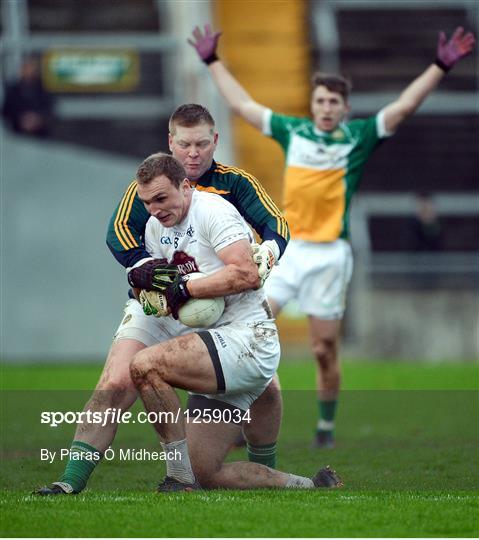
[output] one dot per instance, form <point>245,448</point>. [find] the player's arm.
<point>206,42</point>
<point>126,229</point>
<point>238,275</point>
<point>258,209</point>
<point>448,54</point>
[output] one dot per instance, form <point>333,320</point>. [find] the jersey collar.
<point>205,177</point>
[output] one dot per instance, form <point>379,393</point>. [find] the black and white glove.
<point>265,256</point>
<point>177,294</point>
<point>153,275</point>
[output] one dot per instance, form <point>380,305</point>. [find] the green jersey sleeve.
<point>255,205</point>
<point>127,227</point>
<point>281,127</point>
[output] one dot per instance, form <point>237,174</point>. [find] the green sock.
<point>264,454</point>
<point>82,460</point>
<point>327,412</point>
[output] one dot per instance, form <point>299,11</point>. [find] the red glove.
<point>450,52</point>
<point>205,44</point>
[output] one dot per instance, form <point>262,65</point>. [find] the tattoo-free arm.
<point>238,275</point>
<point>205,42</point>
<point>449,52</point>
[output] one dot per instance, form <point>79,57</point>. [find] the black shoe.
<point>327,478</point>
<point>324,439</point>
<point>57,488</point>
<point>170,484</point>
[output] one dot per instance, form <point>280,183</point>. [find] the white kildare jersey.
<point>192,245</point>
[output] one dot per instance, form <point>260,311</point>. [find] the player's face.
<point>164,201</point>
<point>328,108</point>
<point>194,147</point>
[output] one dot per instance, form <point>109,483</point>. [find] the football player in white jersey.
<point>325,156</point>
<point>226,367</point>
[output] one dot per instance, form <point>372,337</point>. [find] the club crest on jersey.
<point>186,263</point>
<point>338,135</point>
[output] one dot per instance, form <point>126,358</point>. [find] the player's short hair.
<point>160,165</point>
<point>190,115</point>
<point>333,82</point>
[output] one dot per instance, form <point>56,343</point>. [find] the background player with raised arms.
<point>325,157</point>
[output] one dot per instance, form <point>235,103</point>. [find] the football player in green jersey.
<point>192,141</point>
<point>325,156</point>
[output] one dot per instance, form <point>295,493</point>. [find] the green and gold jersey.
<point>242,190</point>
<point>323,171</point>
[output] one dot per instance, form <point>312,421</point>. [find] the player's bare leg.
<point>208,446</point>
<point>182,362</point>
<point>115,390</point>
<point>185,362</point>
<point>262,432</point>
<point>324,336</point>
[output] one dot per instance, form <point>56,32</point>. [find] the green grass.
<point>407,449</point>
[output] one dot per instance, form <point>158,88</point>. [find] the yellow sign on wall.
<point>90,70</point>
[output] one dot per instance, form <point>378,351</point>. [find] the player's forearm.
<point>420,88</point>
<point>232,279</point>
<point>281,240</point>
<point>236,96</point>
<point>412,97</point>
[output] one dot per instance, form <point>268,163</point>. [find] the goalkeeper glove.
<point>177,294</point>
<point>265,256</point>
<point>205,44</point>
<point>153,303</point>
<point>153,275</point>
<point>450,52</point>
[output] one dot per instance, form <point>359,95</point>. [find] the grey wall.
<point>61,291</point>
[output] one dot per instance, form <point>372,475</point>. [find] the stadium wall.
<point>61,291</point>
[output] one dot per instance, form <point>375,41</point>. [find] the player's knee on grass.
<point>206,463</point>
<point>206,476</point>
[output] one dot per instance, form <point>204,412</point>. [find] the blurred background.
<point>102,78</point>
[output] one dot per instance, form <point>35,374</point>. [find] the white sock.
<point>324,425</point>
<point>300,482</point>
<point>179,468</point>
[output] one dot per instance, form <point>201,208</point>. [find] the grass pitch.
<point>407,438</point>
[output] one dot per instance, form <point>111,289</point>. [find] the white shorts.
<point>316,274</point>
<point>245,355</point>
